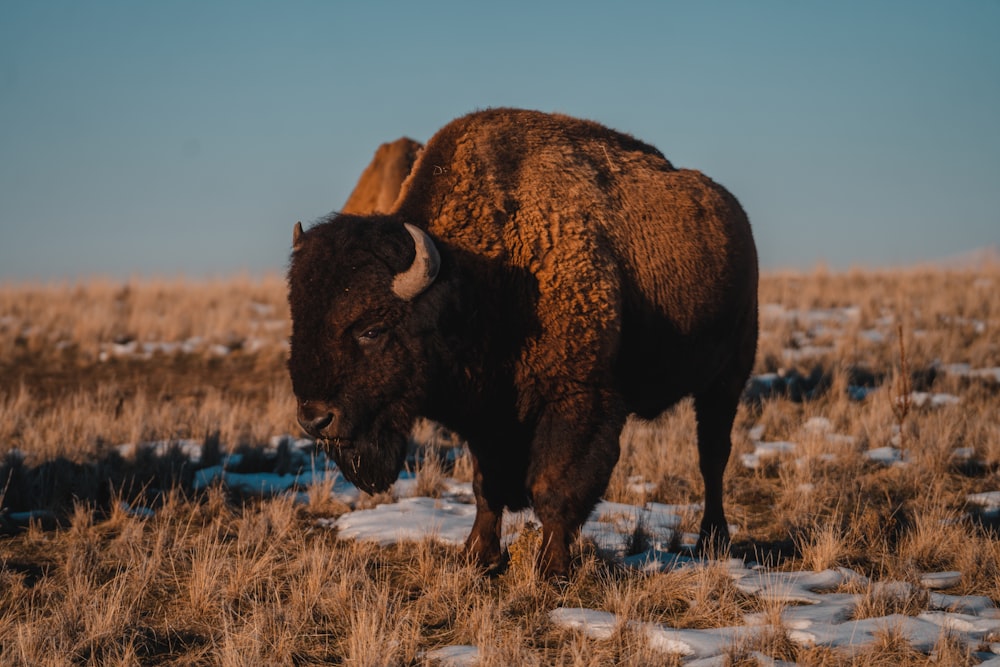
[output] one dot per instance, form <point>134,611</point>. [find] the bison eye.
<point>370,335</point>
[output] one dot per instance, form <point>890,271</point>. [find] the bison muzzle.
<point>538,279</point>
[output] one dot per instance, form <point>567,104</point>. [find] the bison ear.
<point>296,235</point>
<point>410,283</point>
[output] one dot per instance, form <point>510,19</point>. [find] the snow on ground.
<point>453,656</point>
<point>765,451</point>
<point>966,371</point>
<point>988,503</point>
<point>135,350</point>
<point>817,614</point>
<point>817,611</point>
<point>769,452</point>
<point>934,400</point>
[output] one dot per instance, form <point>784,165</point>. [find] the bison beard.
<point>372,456</point>
<point>370,463</point>
<point>538,279</point>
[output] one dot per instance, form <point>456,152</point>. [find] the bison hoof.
<point>486,560</point>
<point>557,580</point>
<point>554,567</point>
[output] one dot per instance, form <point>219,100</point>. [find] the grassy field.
<point>883,384</point>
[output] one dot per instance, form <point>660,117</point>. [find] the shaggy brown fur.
<point>582,278</point>
<point>379,185</point>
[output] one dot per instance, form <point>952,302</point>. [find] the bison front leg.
<point>483,543</point>
<point>573,453</point>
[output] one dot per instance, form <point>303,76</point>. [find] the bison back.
<point>650,263</point>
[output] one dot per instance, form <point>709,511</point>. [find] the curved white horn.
<point>414,280</point>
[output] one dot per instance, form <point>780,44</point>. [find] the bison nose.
<point>314,418</point>
<point>316,425</point>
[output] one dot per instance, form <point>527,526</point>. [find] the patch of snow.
<point>938,580</point>
<point>886,319</point>
<point>453,656</point>
<point>766,661</point>
<point>271,325</point>
<point>988,373</point>
<point>977,626</point>
<point>974,605</point>
<point>858,392</point>
<point>921,634</point>
<point>696,643</point>
<point>814,317</point>
<point>256,483</point>
<point>767,451</point>
<point>963,453</point>
<point>797,354</point>
<point>269,483</point>
<point>638,485</point>
<point>611,525</point>
<point>872,336</point>
<point>966,370</point>
<point>797,587</point>
<point>261,309</point>
<point>656,560</point>
<point>133,349</point>
<point>140,512</point>
<point>594,624</point>
<point>821,426</point>
<point>410,519</point>
<point>818,426</point>
<point>291,441</point>
<point>459,491</point>
<point>887,456</point>
<point>253,345</point>
<point>31,515</point>
<point>772,311</point>
<point>987,501</point>
<point>934,400</point>
<point>832,609</point>
<point>188,448</point>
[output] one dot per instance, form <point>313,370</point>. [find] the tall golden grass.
<point>214,579</point>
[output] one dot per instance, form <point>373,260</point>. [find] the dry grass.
<point>211,578</point>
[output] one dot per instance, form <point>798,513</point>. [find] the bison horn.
<point>296,235</point>
<point>419,276</point>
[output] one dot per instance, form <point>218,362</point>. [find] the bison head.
<point>361,319</point>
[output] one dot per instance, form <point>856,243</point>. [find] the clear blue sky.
<point>166,138</point>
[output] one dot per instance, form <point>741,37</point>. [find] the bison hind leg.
<point>716,412</point>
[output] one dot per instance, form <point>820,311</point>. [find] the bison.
<point>538,279</point>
